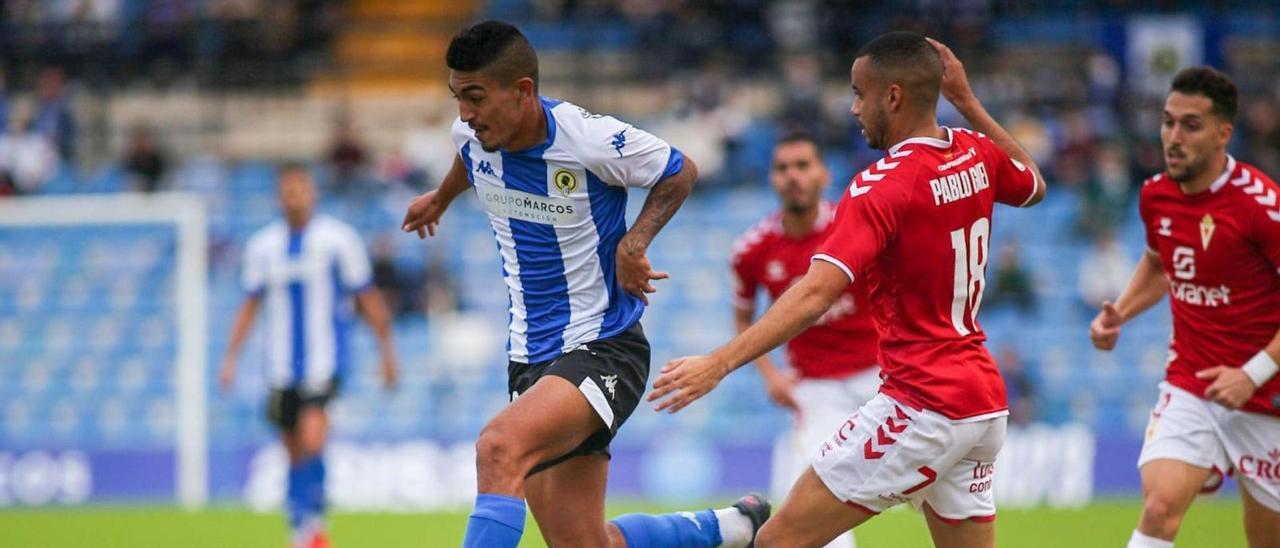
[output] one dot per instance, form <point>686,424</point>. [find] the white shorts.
<point>1190,429</point>
<point>824,405</point>
<point>888,453</point>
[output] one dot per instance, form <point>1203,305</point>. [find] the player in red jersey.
<point>1213,244</point>
<point>833,364</point>
<point>914,227</point>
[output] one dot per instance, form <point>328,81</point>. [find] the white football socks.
<point>1139,540</point>
<point>735,528</point>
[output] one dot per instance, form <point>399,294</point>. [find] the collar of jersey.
<point>537,150</point>
<point>1221,181</point>
<point>928,141</point>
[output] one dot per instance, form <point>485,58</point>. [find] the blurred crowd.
<point>115,43</point>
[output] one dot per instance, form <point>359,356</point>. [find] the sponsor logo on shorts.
<point>1261,467</point>
<point>982,473</point>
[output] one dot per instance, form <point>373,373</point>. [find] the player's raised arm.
<point>955,87</point>
<point>664,199</point>
<point>687,379</point>
<point>425,210</point>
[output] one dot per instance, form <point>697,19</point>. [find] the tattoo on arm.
<point>661,204</point>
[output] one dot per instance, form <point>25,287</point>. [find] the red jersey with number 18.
<point>915,226</point>
<point>1220,250</point>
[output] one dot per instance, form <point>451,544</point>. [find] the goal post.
<point>186,213</point>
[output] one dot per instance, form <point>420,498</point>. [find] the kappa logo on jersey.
<point>1166,227</point>
<point>485,167</point>
<point>875,173</point>
<point>1265,197</point>
<point>619,141</point>
<point>1206,231</point>
<point>566,182</point>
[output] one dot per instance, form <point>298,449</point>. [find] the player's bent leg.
<point>546,422</point>
<point>567,501</point>
<point>1168,488</point>
<point>965,533</point>
<point>1261,523</point>
<point>811,516</point>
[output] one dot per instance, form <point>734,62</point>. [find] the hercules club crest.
<point>566,182</point>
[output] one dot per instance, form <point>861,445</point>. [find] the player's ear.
<point>525,87</point>
<point>1225,131</point>
<point>893,98</point>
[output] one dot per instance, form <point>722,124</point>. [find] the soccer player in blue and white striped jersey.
<point>553,179</point>
<point>305,269</point>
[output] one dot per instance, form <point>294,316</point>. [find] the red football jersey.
<point>843,341</point>
<point>915,227</point>
<point>1220,250</point>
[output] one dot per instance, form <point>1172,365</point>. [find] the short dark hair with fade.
<point>800,136</point>
<point>494,46</point>
<point>1208,82</point>
<point>906,58</point>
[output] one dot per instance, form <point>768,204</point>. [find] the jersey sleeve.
<point>624,155</point>
<point>867,218</point>
<point>1015,183</point>
<point>354,270</point>
<point>253,270</point>
<point>1144,214</point>
<point>746,282</point>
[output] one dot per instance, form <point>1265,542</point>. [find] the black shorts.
<point>285,405</point>
<point>611,373</point>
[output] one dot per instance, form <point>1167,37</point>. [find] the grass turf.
<point>1211,523</point>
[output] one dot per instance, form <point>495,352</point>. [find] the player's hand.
<point>955,84</point>
<point>424,214</point>
<point>780,386</point>
<point>390,373</point>
<point>685,380</point>
<point>227,374</point>
<point>1104,331</point>
<point>1231,386</point>
<point>635,273</point>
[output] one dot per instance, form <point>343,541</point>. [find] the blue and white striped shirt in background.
<point>306,280</point>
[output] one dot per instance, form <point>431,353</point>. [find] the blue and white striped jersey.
<point>306,280</point>
<point>558,211</point>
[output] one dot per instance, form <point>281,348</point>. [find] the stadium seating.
<point>91,359</point>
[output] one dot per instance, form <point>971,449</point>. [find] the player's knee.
<point>497,453</point>
<point>311,433</point>
<point>1160,515</point>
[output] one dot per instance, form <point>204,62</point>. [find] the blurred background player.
<point>1213,243</point>
<point>833,364</point>
<point>306,268</point>
<point>930,437</point>
<point>553,179</point>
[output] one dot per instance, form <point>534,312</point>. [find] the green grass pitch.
<point>1211,523</point>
